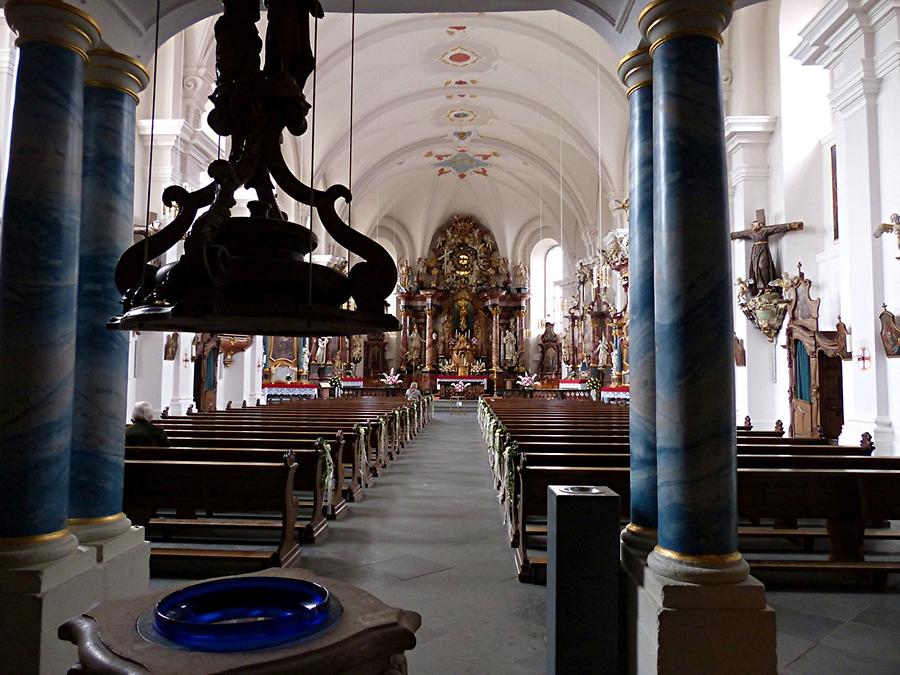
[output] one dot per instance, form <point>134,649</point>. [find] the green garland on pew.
<point>328,464</point>
<point>509,484</point>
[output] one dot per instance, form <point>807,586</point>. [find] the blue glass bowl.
<point>242,613</point>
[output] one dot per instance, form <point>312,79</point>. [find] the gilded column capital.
<point>636,69</point>
<point>53,22</point>
<point>110,69</point>
<point>663,20</point>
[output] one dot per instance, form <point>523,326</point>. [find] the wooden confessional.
<point>814,361</point>
<point>206,375</point>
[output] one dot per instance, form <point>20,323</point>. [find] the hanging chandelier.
<point>254,274</point>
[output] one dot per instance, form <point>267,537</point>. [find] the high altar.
<point>461,311</point>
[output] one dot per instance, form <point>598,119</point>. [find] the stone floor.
<point>429,537</point>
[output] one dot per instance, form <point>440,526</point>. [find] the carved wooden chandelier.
<point>254,274</point>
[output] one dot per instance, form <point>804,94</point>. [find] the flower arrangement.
<point>446,366</point>
<point>335,381</point>
<point>391,381</point>
<point>594,383</point>
<point>459,387</point>
<point>478,367</point>
<point>527,381</point>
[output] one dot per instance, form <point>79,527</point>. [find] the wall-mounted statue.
<point>762,267</point>
<point>886,228</point>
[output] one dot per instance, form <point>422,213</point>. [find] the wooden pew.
<point>844,498</point>
<point>152,485</point>
<point>335,509</point>
<point>310,520</point>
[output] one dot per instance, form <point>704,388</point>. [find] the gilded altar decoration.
<point>463,295</point>
<point>231,345</point>
<point>890,333</point>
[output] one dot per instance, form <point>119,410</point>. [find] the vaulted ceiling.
<point>516,117</point>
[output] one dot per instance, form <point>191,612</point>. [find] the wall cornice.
<point>741,130</point>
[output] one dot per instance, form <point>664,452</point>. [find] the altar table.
<point>471,379</point>
<point>291,389</point>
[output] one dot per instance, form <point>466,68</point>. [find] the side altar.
<point>462,310</point>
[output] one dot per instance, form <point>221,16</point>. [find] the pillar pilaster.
<point>429,338</point>
<point>38,277</point>
<point>696,436</point>
<point>112,83</point>
<point>694,607</point>
<point>636,73</point>
<point>495,339</point>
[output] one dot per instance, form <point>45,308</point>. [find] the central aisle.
<point>429,537</point>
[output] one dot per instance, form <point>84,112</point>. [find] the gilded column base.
<point>16,552</point>
<point>93,530</point>
<point>729,568</point>
<point>639,540</point>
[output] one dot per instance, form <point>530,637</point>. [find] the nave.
<point>428,537</point>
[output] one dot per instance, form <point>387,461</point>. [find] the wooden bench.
<point>152,485</point>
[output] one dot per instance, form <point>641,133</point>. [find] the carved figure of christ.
<point>762,267</point>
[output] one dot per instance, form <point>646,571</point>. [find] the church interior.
<point>490,337</point>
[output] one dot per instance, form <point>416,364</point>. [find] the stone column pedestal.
<point>675,627</point>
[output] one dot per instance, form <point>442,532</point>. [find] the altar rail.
<point>358,392</point>
<point>543,393</point>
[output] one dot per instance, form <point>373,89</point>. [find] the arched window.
<point>546,272</point>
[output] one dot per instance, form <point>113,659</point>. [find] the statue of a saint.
<point>480,336</point>
<point>304,361</point>
<point>446,333</point>
<point>404,275</point>
<point>603,353</point>
<point>762,267</point>
<point>549,351</point>
<point>322,350</point>
<point>415,348</point>
<point>510,353</point>
<point>520,277</point>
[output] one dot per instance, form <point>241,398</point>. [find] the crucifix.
<point>762,267</point>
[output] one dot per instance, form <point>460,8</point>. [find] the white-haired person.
<point>142,431</point>
<point>413,393</point>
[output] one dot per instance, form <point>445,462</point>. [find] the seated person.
<point>142,431</point>
<point>413,393</point>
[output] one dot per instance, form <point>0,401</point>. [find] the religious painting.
<point>283,348</point>
<point>890,333</point>
<point>171,348</point>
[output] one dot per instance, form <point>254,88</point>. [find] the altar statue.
<point>446,332</point>
<point>304,361</point>
<point>549,344</point>
<point>520,277</point>
<point>404,275</point>
<point>322,351</point>
<point>415,348</point>
<point>510,353</point>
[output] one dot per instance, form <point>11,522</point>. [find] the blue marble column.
<point>695,410</point>
<point>38,275</point>
<point>636,72</point>
<point>112,84</point>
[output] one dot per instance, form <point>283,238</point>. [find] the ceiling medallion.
<point>461,115</point>
<point>456,30</point>
<point>460,83</point>
<point>459,57</point>
<point>462,162</point>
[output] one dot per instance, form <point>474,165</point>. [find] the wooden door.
<point>802,423</point>
<point>831,396</point>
